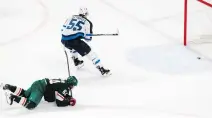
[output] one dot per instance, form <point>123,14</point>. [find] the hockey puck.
<point>198,57</point>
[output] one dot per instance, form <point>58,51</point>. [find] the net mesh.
<point>199,21</point>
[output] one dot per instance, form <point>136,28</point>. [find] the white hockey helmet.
<point>83,11</point>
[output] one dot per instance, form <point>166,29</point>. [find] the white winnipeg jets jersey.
<point>76,26</point>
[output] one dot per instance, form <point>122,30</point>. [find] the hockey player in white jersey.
<point>75,29</point>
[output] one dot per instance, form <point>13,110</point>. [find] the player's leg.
<point>24,101</point>
<point>14,89</point>
<point>36,91</point>
<point>32,98</point>
<point>74,54</point>
<point>77,62</point>
<point>96,61</point>
<point>85,50</point>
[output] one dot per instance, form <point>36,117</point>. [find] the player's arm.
<point>63,98</point>
<point>88,29</point>
<point>65,26</point>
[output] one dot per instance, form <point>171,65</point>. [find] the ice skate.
<point>104,72</point>
<point>9,97</point>
<point>78,63</point>
<point>5,86</point>
<point>1,86</point>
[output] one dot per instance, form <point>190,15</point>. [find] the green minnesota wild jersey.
<point>57,90</point>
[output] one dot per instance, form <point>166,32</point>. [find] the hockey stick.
<point>1,85</point>
<point>110,34</point>
<point>102,34</point>
<point>67,61</point>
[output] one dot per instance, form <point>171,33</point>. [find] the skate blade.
<point>7,95</point>
<point>107,74</point>
<point>1,86</point>
<point>80,66</point>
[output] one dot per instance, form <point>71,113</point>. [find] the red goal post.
<point>207,3</point>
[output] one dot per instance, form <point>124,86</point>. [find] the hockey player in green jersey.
<point>52,89</point>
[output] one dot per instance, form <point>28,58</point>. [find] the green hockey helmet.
<point>72,80</point>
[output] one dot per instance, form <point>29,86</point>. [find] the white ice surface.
<point>154,75</point>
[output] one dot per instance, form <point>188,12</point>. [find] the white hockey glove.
<point>88,39</point>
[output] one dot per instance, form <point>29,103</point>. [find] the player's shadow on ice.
<point>43,107</point>
<point>48,108</point>
<point>168,59</point>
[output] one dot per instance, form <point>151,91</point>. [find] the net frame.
<point>185,30</point>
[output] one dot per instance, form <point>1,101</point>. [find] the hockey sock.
<point>20,100</point>
<point>19,91</point>
<point>94,58</point>
<point>24,102</point>
<point>74,53</point>
<point>16,90</point>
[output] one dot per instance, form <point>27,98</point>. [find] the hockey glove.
<point>88,39</point>
<point>72,101</point>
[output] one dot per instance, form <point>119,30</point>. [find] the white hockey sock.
<point>74,53</point>
<point>94,58</point>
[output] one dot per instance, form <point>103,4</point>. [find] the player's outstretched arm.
<point>62,100</point>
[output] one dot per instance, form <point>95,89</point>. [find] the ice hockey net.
<point>197,21</point>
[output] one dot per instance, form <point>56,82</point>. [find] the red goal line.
<point>205,2</point>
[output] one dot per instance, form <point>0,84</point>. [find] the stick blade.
<point>117,31</point>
